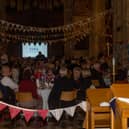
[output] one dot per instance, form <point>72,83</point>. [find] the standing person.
<point>40,57</point>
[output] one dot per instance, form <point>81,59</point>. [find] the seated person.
<point>96,74</point>
<point>6,79</point>
<point>7,86</point>
<point>62,83</point>
<point>27,85</point>
<point>50,78</point>
<point>77,77</point>
<point>86,83</point>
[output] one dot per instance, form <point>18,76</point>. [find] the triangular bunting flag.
<point>57,113</point>
<point>43,113</point>
<point>14,112</point>
<point>28,115</point>
<point>83,105</point>
<point>70,111</point>
<point>113,104</point>
<point>2,106</point>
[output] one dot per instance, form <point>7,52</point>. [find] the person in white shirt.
<point>6,79</point>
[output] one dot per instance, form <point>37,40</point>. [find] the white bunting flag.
<point>57,113</point>
<point>70,111</point>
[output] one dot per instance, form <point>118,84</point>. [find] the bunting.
<point>5,25</point>
<point>13,112</point>
<point>2,106</point>
<point>29,113</point>
<point>113,102</point>
<point>70,111</point>
<point>71,32</point>
<point>56,114</point>
<point>83,106</point>
<point>43,113</point>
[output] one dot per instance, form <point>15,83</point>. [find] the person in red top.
<point>27,85</point>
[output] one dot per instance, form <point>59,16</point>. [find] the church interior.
<point>64,64</point>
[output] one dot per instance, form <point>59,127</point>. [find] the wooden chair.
<point>95,83</point>
<point>24,97</point>
<point>68,95</point>
<point>67,98</point>
<point>122,113</point>
<point>120,89</point>
<point>97,116</point>
<point>121,82</point>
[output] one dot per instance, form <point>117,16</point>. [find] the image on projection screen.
<point>31,50</point>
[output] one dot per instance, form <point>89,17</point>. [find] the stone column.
<point>97,41</point>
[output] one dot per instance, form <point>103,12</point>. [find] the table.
<point>44,93</point>
<point>95,111</point>
<point>120,118</point>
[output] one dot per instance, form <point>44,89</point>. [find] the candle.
<point>113,72</point>
<point>108,49</point>
<point>113,61</point>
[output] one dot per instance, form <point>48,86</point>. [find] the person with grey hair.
<point>62,83</point>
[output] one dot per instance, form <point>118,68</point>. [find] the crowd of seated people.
<point>66,74</point>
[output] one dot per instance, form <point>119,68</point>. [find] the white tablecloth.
<point>44,93</point>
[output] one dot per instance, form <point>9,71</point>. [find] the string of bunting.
<point>75,31</point>
<point>28,38</point>
<point>28,113</point>
<point>39,39</point>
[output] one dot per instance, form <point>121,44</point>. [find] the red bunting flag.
<point>43,113</point>
<point>28,115</point>
<point>2,106</point>
<point>14,112</point>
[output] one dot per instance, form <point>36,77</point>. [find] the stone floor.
<point>65,123</point>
